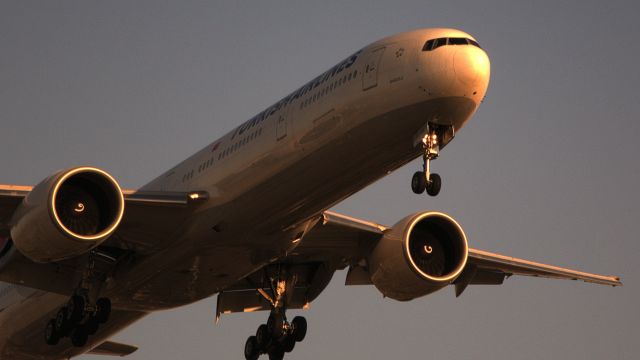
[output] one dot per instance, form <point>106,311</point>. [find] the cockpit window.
<point>436,43</point>
<point>458,41</point>
<point>440,42</point>
<point>474,43</point>
<point>428,45</point>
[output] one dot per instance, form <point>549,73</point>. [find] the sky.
<point>547,169</point>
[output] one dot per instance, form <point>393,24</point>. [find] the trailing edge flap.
<point>113,348</point>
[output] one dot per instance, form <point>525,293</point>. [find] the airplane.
<point>247,217</point>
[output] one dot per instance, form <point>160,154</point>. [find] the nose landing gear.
<point>425,180</point>
<point>277,336</point>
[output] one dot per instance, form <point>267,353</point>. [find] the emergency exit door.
<point>370,77</point>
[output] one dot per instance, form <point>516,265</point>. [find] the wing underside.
<point>487,267</point>
<point>337,242</point>
<point>151,220</point>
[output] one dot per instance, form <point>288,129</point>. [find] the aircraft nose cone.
<point>471,66</point>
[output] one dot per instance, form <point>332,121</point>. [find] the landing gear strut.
<point>425,180</point>
<point>83,313</point>
<point>277,336</point>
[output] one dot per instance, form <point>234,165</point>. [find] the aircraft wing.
<point>347,241</point>
<point>337,241</point>
<point>355,230</point>
<point>151,220</point>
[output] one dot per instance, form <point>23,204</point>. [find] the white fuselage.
<point>271,176</point>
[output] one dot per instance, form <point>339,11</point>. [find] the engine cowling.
<point>67,214</point>
<point>420,254</point>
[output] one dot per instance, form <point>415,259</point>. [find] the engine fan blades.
<point>429,255</point>
<point>78,210</point>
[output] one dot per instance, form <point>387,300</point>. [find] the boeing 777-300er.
<point>246,217</point>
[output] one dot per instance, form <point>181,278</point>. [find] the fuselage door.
<point>281,124</point>
<point>370,77</point>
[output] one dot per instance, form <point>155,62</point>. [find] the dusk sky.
<point>546,170</point>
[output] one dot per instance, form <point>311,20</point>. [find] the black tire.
<point>61,322</point>
<point>276,354</point>
<point>51,335</point>
<point>92,325</point>
<point>418,182</point>
<point>288,344</point>
<point>263,337</point>
<point>75,309</point>
<point>79,336</point>
<point>104,310</point>
<point>275,324</point>
<point>434,185</point>
<point>299,324</point>
<point>251,350</point>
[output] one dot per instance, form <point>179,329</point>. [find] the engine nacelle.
<point>67,214</point>
<point>420,254</point>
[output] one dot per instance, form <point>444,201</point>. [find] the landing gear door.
<point>370,77</point>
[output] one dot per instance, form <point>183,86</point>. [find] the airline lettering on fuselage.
<point>343,65</point>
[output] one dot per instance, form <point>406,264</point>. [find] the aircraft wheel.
<point>251,350</point>
<point>288,344</point>
<point>92,325</point>
<point>79,336</point>
<point>276,354</point>
<point>51,336</point>
<point>75,309</point>
<point>275,324</point>
<point>418,182</point>
<point>104,310</point>
<point>299,324</point>
<point>434,185</point>
<point>262,337</point>
<point>61,324</point>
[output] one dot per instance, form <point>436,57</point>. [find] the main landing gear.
<point>82,316</point>
<point>425,180</point>
<point>277,336</point>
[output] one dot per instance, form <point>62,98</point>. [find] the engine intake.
<point>67,214</point>
<point>420,254</point>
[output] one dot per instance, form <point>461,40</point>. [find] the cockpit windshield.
<point>436,43</point>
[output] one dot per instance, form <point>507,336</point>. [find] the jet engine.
<point>420,254</point>
<point>67,214</point>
